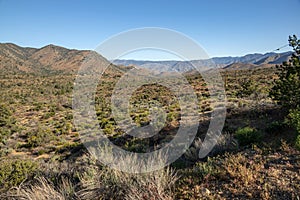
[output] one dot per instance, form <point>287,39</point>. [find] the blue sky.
<point>221,27</point>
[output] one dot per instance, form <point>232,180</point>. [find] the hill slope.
<point>48,59</point>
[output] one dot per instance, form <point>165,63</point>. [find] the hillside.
<point>48,59</point>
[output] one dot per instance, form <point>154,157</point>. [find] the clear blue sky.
<point>222,27</point>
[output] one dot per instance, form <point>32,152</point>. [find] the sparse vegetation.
<point>258,146</point>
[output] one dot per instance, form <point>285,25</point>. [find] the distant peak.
<point>52,46</point>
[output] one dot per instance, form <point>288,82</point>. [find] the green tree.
<point>286,89</point>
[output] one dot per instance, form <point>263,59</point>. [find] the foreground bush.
<point>14,172</point>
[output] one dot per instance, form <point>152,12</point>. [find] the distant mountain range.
<point>55,59</point>
<point>243,62</point>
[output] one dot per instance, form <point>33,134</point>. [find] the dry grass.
<point>43,189</point>
<point>97,182</point>
<point>113,184</point>
<point>250,174</point>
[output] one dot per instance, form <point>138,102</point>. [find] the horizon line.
<point>138,59</point>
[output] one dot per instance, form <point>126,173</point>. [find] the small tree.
<point>286,89</point>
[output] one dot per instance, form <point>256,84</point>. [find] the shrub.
<point>293,119</point>
<point>5,114</point>
<point>14,172</point>
<point>7,123</point>
<point>248,135</point>
<point>204,169</point>
<point>297,144</point>
<point>275,127</point>
<point>39,137</point>
<point>248,87</point>
<point>241,170</point>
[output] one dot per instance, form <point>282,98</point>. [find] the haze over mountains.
<point>243,62</point>
<point>54,59</point>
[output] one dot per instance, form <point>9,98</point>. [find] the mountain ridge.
<point>48,59</point>
<point>52,58</point>
<point>256,59</point>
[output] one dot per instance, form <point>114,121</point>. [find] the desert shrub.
<point>275,127</point>
<point>241,170</point>
<point>14,172</point>
<point>225,142</point>
<point>4,134</point>
<point>297,144</point>
<point>293,119</point>
<point>49,114</point>
<point>7,123</point>
<point>203,169</point>
<point>39,136</point>
<point>248,87</point>
<point>5,114</point>
<point>62,127</point>
<point>248,135</point>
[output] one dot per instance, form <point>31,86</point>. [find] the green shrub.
<point>7,123</point>
<point>248,87</point>
<point>5,114</point>
<point>14,172</point>
<point>275,127</point>
<point>204,169</point>
<point>247,135</point>
<point>293,119</point>
<point>39,137</point>
<point>297,144</point>
<point>49,114</point>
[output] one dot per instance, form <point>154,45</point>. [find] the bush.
<point>14,172</point>
<point>275,127</point>
<point>248,87</point>
<point>225,143</point>
<point>39,137</point>
<point>293,119</point>
<point>297,144</point>
<point>204,169</point>
<point>248,135</point>
<point>7,123</point>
